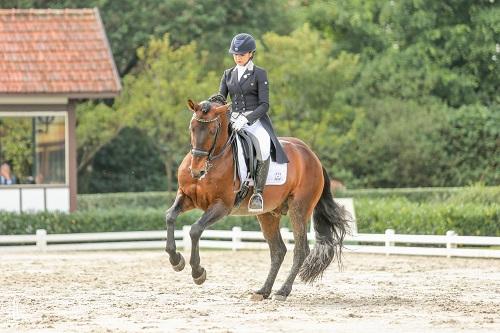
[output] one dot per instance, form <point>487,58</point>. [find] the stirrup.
<point>253,210</point>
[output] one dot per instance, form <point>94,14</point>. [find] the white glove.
<point>240,122</point>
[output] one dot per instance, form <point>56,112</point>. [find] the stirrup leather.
<point>256,202</point>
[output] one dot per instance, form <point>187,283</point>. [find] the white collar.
<point>248,66</point>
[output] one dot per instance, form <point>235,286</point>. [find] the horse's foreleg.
<point>211,215</point>
<point>270,226</point>
<point>181,204</point>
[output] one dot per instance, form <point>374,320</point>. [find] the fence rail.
<point>450,245</point>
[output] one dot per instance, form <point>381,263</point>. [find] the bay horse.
<point>205,179</point>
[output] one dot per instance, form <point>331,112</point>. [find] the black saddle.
<point>250,154</point>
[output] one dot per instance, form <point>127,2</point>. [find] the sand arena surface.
<point>139,292</point>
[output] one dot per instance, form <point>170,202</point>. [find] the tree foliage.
<point>130,162</point>
<point>387,93</point>
<point>308,88</point>
<point>415,49</point>
<point>18,149</point>
<point>154,100</point>
<point>212,23</point>
<point>397,144</point>
<point>472,151</point>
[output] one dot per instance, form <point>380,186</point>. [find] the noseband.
<point>202,153</point>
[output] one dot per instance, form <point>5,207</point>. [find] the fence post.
<point>449,244</point>
<point>236,238</point>
<point>186,239</point>
<point>389,240</point>
<point>41,240</point>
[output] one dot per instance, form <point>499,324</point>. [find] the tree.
<point>155,99</point>
<point>96,126</point>
<point>472,145</point>
<point>212,23</point>
<point>397,143</point>
<point>308,87</point>
<point>413,49</point>
<point>130,162</point>
<point>16,145</point>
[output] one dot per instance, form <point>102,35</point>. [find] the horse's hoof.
<point>199,280</point>
<point>278,297</point>
<point>256,297</point>
<point>180,266</point>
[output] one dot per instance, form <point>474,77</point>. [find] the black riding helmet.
<point>242,43</point>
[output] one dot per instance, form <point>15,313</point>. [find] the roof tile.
<point>55,51</point>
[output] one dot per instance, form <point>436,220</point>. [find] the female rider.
<point>248,87</point>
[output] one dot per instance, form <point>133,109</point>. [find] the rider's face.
<point>242,59</point>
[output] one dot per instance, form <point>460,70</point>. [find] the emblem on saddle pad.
<point>278,176</point>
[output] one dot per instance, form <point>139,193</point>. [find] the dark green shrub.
<point>406,217</point>
<point>422,194</point>
<point>159,200</point>
<point>395,143</point>
<point>117,219</point>
<point>472,136</point>
<point>468,211</point>
<point>129,163</point>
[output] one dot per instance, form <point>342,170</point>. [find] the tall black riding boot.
<point>256,203</point>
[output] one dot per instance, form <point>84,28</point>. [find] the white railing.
<point>237,239</point>
<point>34,198</point>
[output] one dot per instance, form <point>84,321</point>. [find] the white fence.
<point>390,243</point>
<point>34,198</point>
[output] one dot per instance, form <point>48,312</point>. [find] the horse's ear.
<point>191,105</point>
<point>222,109</point>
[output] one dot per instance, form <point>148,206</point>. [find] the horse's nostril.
<point>197,174</point>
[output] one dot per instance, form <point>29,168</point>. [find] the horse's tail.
<point>330,224</point>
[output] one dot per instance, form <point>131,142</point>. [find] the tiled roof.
<point>50,51</point>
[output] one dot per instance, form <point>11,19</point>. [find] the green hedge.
<point>470,211</point>
<point>406,217</point>
<point>421,194</point>
<point>373,215</point>
<point>108,220</point>
<point>161,200</point>
<point>165,199</point>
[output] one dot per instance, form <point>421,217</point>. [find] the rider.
<point>248,87</point>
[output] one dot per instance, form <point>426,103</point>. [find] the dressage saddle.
<point>250,154</point>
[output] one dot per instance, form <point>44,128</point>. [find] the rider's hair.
<point>217,98</point>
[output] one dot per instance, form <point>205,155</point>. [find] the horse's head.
<point>206,126</point>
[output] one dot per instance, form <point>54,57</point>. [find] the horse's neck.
<point>224,147</point>
<point>223,137</point>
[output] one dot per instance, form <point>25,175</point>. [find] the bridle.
<point>202,153</point>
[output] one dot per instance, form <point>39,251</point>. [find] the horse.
<point>205,181</point>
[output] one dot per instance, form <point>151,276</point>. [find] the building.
<point>49,59</point>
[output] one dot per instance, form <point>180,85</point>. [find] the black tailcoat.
<point>251,93</point>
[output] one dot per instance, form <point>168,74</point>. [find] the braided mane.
<point>217,98</point>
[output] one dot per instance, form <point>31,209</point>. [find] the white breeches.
<point>259,133</point>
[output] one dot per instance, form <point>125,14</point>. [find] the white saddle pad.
<point>277,171</point>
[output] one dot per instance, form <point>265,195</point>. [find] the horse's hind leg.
<point>299,217</point>
<point>181,204</point>
<point>270,228</point>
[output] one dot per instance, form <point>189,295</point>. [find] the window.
<point>34,147</point>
